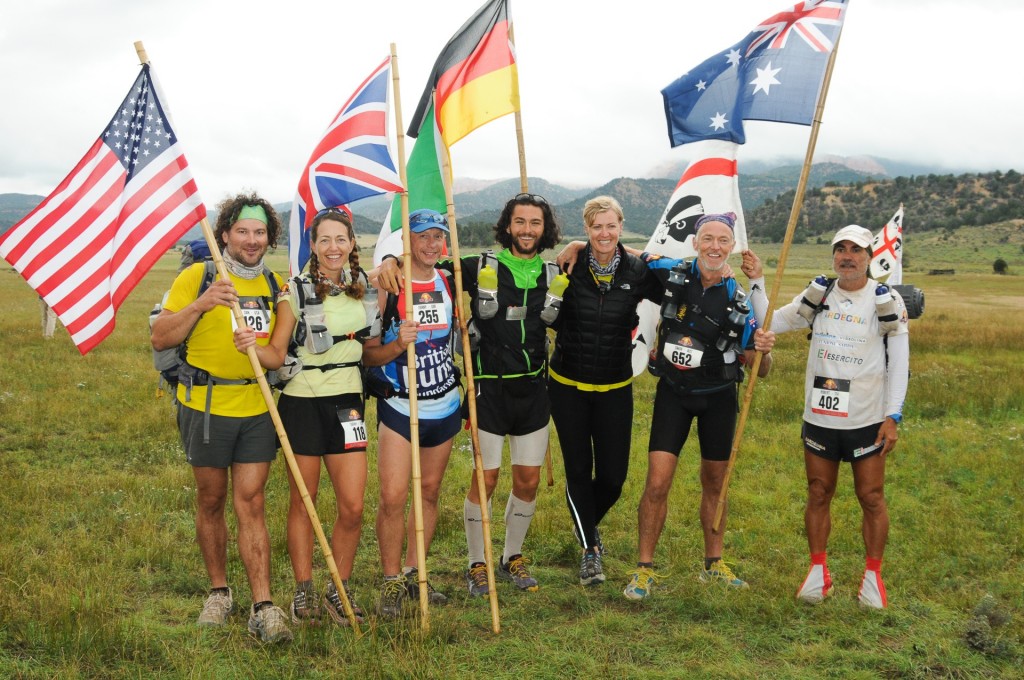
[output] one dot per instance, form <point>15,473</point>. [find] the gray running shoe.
<point>216,609</point>
<point>591,572</point>
<point>336,610</point>
<point>412,586</point>
<point>476,579</point>
<point>392,595</point>
<point>304,605</point>
<point>268,624</point>
<point>515,571</point>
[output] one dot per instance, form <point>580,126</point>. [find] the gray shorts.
<point>232,440</point>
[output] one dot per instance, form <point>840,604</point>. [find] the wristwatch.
<point>896,417</point>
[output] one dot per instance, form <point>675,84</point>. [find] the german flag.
<point>475,76</point>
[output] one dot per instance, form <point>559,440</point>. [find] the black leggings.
<point>594,431</point>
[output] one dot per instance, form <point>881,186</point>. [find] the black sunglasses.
<point>532,198</point>
<point>335,210</point>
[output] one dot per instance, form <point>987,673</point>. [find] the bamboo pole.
<point>414,419</point>
<point>794,216</point>
<point>467,362</point>
<point>268,397</point>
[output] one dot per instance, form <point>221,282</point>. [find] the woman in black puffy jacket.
<point>591,376</point>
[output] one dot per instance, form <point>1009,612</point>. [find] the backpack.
<point>375,384</point>
<point>292,365</point>
<point>168,361</point>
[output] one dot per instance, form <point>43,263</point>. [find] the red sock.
<point>819,558</point>
<point>872,564</point>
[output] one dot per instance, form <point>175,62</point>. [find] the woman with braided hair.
<point>322,406</point>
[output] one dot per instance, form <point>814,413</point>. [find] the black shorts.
<point>847,446</point>
<point>516,406</point>
<point>320,425</point>
<point>673,414</point>
<point>250,439</point>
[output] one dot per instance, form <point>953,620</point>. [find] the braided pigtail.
<point>320,287</point>
<point>355,288</point>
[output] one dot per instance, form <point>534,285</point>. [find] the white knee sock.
<point>518,515</point>
<point>472,519</point>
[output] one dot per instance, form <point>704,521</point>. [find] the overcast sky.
<point>252,85</point>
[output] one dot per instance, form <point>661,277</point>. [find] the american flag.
<point>351,161</point>
<point>87,245</point>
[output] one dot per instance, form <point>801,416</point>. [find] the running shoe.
<point>872,591</point>
<point>392,596</point>
<point>515,571</point>
<point>720,571</point>
<point>412,586</point>
<point>216,609</point>
<point>336,610</point>
<point>591,572</point>
<point>476,579</point>
<point>817,586</point>
<point>304,607</point>
<point>641,582</point>
<point>268,624</point>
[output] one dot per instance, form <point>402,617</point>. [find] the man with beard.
<point>511,312</point>
<point>223,420</point>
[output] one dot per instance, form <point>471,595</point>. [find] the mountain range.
<point>643,199</point>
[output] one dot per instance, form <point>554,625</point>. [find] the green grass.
<point>100,575</point>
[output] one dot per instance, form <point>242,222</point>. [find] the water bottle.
<point>487,293</point>
<point>553,299</point>
<point>318,340</point>
<point>372,310</point>
<point>732,331</point>
<point>885,306</point>
<point>812,298</point>
<point>675,289</point>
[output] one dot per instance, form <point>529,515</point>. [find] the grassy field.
<point>100,575</point>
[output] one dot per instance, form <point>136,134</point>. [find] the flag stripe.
<point>492,53</point>
<point>478,102</point>
<point>708,166</point>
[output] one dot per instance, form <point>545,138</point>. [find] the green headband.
<point>252,212</point>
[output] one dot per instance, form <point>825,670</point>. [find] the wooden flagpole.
<point>414,419</point>
<point>268,397</point>
<point>794,216</point>
<point>524,186</point>
<point>467,363</point>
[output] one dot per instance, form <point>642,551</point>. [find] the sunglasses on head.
<point>426,218</point>
<point>532,198</point>
<point>335,210</point>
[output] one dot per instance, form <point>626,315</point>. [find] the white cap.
<point>855,233</point>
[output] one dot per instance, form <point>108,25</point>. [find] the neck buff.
<point>603,270</point>
<point>239,269</point>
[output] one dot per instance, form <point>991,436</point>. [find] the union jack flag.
<point>765,76</point>
<point>803,20</point>
<point>352,161</point>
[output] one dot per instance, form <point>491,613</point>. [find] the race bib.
<point>682,351</point>
<point>354,428</point>
<point>255,315</point>
<point>429,311</point>
<point>830,397</point>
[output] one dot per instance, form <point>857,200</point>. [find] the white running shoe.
<point>817,586</point>
<point>872,591</point>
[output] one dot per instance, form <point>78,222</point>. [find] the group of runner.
<point>709,330</point>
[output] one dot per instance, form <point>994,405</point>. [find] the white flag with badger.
<point>708,185</point>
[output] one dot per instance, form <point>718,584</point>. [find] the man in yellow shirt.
<point>222,417</point>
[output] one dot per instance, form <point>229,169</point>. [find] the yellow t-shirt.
<point>344,315</point>
<point>212,349</point>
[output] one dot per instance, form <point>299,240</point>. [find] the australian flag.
<point>352,161</point>
<point>773,74</point>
